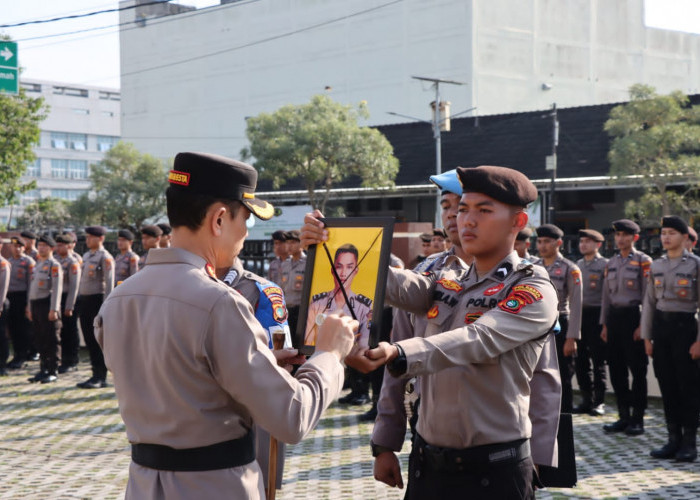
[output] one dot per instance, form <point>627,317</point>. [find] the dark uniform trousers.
<point>70,341</point>
<point>293,319</point>
<point>89,307</point>
<point>46,336</point>
<point>377,376</point>
<point>591,358</point>
<point>566,366</point>
<point>625,353</point>
<point>18,324</point>
<point>4,342</point>
<point>677,373</point>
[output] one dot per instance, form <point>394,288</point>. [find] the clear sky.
<point>92,57</point>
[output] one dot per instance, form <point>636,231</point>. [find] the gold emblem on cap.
<point>249,196</point>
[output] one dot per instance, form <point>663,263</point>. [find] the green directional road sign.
<point>9,68</point>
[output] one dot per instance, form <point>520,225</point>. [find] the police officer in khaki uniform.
<point>150,238</point>
<point>566,277</point>
<point>279,247</point>
<point>18,325</point>
<point>522,244</point>
<point>623,290</point>
<point>486,330</point>
<point>45,310</point>
<point>669,330</point>
<point>194,344</point>
<point>165,237</point>
<point>126,263</point>
<point>292,276</point>
<point>96,283</point>
<point>70,340</point>
<point>4,307</point>
<point>71,249</point>
<point>692,239</point>
<point>30,238</point>
<point>591,348</point>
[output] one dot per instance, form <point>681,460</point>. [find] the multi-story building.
<point>82,124</point>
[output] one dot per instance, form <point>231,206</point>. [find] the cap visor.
<point>261,209</point>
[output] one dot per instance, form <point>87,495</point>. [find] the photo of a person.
<point>345,263</point>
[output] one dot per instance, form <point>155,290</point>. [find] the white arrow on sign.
<point>6,54</point>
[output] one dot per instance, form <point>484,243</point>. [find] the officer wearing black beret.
<point>19,327</point>
<point>126,263</point>
<point>623,291</point>
<point>279,247</point>
<point>176,335</point>
<point>70,339</point>
<point>292,276</point>
<point>522,243</point>
<point>150,238</point>
<point>165,238</point>
<point>30,244</point>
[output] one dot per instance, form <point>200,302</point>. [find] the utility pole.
<point>551,164</point>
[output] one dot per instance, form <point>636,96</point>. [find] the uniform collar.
<point>174,256</point>
<point>233,276</point>
<point>504,269</point>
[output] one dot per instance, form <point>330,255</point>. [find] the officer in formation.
<point>70,341</point>
<point>292,276</point>
<point>126,263</point>
<point>566,277</point>
<point>150,238</point>
<point>96,283</point>
<point>279,247</point>
<point>692,239</point>
<point>71,249</point>
<point>591,355</point>
<point>21,268</point>
<point>438,241</point>
<point>472,437</point>
<point>177,340</point>
<point>670,331</point>
<point>624,286</point>
<point>30,238</point>
<point>45,310</point>
<point>165,237</point>
<point>4,308</point>
<point>522,244</point>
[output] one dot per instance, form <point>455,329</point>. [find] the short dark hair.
<point>188,209</point>
<point>347,248</point>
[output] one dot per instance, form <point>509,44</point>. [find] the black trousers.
<point>591,358</point>
<point>376,377</point>
<point>293,319</point>
<point>566,367</point>
<point>89,307</point>
<point>18,325</point>
<point>46,335</point>
<point>70,340</point>
<point>677,373</point>
<point>626,355</point>
<point>4,341</point>
<point>490,482</point>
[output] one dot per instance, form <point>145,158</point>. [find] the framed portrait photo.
<point>347,272</point>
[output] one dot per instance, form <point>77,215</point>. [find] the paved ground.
<point>60,442</point>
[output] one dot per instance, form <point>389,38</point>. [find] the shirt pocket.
<point>630,279</point>
<point>684,288</point>
<point>594,281</point>
<point>298,281</point>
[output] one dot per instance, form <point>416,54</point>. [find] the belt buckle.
<point>436,456</point>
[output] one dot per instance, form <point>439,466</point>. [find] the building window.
<point>34,169</point>
<point>59,168</point>
<point>78,141</point>
<point>106,142</point>
<point>29,197</point>
<point>59,140</point>
<point>107,113</point>
<point>67,194</point>
<point>78,169</point>
<point>70,91</point>
<point>81,111</point>
<point>109,96</point>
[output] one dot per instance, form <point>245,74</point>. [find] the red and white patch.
<point>519,297</point>
<point>433,312</point>
<point>494,289</point>
<point>450,285</point>
<point>54,271</point>
<point>577,276</point>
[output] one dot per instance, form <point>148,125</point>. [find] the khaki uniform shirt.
<point>192,368</point>
<point>326,302</point>
<point>78,257</point>
<point>5,271</point>
<point>566,277</point>
<point>292,279</point>
<point>47,281</point>
<point>673,287</point>
<point>98,273</point>
<point>592,272</point>
<point>71,279</point>
<point>483,339</point>
<point>21,273</point>
<point>33,253</point>
<point>274,272</point>
<point>125,265</point>
<point>625,281</point>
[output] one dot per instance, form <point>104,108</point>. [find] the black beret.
<point>64,238</point>
<point>675,222</point>
<point>96,230</point>
<point>626,226</point>
<point>151,230</point>
<point>16,240</point>
<point>524,234</point>
<point>426,237</point>
<point>125,233</point>
<point>165,227</point>
<point>279,235</point>
<point>28,235</point>
<point>293,235</point>
<point>692,234</point>
<point>592,234</point>
<point>500,183</point>
<point>549,231</point>
<point>48,240</point>
<point>219,177</point>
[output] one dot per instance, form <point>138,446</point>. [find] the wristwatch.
<point>398,365</point>
<point>378,450</point>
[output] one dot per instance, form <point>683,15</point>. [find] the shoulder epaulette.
<point>364,300</point>
<point>320,296</point>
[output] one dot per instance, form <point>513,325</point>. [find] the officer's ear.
<point>520,220</point>
<point>636,238</point>
<point>216,218</point>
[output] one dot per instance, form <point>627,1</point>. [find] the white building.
<point>81,125</point>
<point>190,79</point>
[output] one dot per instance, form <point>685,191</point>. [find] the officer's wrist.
<point>378,450</point>
<point>398,364</point>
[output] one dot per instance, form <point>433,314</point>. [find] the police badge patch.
<point>520,296</point>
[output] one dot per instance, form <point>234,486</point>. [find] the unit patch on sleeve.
<point>433,312</point>
<point>450,285</point>
<point>472,317</point>
<point>520,296</point>
<point>577,276</point>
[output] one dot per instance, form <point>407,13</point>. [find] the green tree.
<point>128,188</point>
<point>321,144</point>
<point>656,139</point>
<point>45,213</point>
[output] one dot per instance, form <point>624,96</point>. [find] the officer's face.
<point>93,242</point>
<point>426,248</point>
<point>345,266</point>
<point>672,239</point>
<point>485,225</point>
<point>43,249</point>
<point>17,250</point>
<point>623,240</point>
<point>123,244</point>
<point>588,246</point>
<point>449,203</point>
<point>280,248</point>
<point>521,247</point>
<point>293,247</point>
<point>437,244</point>
<point>149,241</point>
<point>547,247</point>
<point>62,249</point>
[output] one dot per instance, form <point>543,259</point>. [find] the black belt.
<point>673,315</point>
<point>217,456</point>
<point>624,308</point>
<point>453,460</point>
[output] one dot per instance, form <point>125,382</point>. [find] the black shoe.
<point>635,429</point>
<point>361,399</point>
<point>582,408</point>
<point>50,377</point>
<point>37,377</point>
<point>688,451</point>
<point>597,410</point>
<point>92,383</point>
<point>347,398</point>
<point>33,356</point>
<point>619,426</point>
<point>67,368</point>
<point>3,372</point>
<point>15,364</point>
<point>370,415</point>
